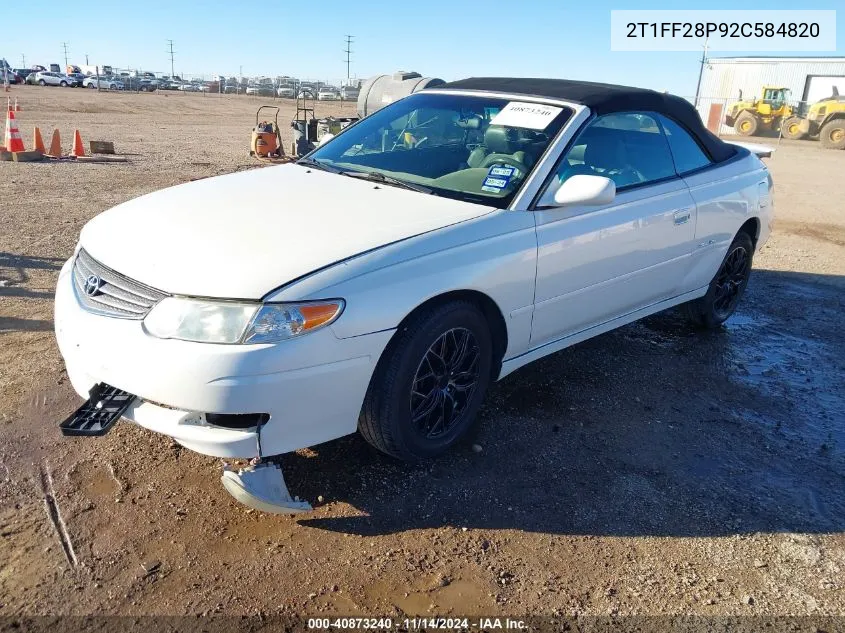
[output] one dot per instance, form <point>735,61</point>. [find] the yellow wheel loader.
<point>765,114</point>
<point>825,121</point>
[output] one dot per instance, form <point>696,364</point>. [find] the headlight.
<point>233,322</point>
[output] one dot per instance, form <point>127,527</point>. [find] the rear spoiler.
<point>761,151</point>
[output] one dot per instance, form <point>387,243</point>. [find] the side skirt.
<point>515,363</point>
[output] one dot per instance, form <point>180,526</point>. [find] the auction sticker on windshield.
<point>534,116</point>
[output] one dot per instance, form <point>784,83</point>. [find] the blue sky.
<point>441,38</point>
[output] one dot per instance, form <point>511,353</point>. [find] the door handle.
<point>682,216</point>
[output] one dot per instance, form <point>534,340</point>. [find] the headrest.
<point>500,139</point>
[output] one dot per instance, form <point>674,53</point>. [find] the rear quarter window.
<point>686,152</point>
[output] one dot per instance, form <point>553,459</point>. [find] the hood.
<point>242,235</point>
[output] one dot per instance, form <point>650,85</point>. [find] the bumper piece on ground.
<point>262,487</point>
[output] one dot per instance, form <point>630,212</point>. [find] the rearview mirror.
<point>584,189</point>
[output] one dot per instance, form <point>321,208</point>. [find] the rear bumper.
<point>312,387</point>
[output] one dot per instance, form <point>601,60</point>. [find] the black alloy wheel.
<point>731,280</point>
<point>430,381</point>
<point>727,286</point>
<point>444,383</point>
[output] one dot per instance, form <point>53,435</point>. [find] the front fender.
<point>495,254</point>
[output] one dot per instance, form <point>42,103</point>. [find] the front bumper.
<point>312,387</point>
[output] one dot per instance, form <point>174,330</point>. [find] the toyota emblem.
<point>93,285</point>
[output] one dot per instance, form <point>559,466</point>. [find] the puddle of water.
<point>742,320</point>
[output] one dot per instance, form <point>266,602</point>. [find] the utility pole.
<point>86,59</point>
<point>701,72</point>
<point>172,72</point>
<point>23,60</point>
<point>64,46</point>
<point>348,51</point>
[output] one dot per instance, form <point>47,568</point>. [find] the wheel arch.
<point>489,308</point>
<point>752,228</point>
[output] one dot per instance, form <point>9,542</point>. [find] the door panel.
<point>595,264</point>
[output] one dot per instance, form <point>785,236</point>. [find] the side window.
<point>628,147</point>
<point>686,152</point>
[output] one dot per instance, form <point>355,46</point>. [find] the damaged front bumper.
<point>310,388</point>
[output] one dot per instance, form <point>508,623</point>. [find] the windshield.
<point>474,148</point>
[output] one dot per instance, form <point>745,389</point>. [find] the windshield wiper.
<point>377,176</point>
<point>310,162</point>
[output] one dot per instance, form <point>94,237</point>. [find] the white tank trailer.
<point>380,90</point>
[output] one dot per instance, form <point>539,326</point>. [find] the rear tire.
<point>726,288</point>
<point>832,134</point>
<point>429,383</point>
<point>63,84</point>
<point>791,129</point>
<point>746,124</point>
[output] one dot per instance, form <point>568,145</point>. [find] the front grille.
<point>116,295</point>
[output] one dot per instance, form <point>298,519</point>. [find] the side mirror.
<point>586,190</point>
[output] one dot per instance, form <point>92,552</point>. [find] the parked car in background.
<point>328,93</point>
<point>188,87</point>
<point>286,91</point>
<point>262,89</point>
<point>12,76</point>
<point>23,73</point>
<point>78,77</point>
<point>305,93</point>
<point>349,93</point>
<point>139,84</point>
<point>55,79</point>
<point>104,83</point>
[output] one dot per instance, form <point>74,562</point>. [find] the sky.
<point>437,38</point>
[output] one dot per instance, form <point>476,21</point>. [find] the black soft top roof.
<point>604,99</point>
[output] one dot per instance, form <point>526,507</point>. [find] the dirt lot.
<point>653,470</point>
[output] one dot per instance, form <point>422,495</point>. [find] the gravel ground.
<point>653,470</point>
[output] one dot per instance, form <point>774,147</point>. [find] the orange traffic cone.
<point>17,107</point>
<point>78,149</point>
<point>55,145</point>
<point>37,141</point>
<point>13,135</point>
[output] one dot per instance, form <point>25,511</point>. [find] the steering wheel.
<point>505,159</point>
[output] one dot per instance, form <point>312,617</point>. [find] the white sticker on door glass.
<point>534,116</point>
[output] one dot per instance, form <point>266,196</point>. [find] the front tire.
<point>832,134</point>
<point>42,83</point>
<point>91,85</point>
<point>746,124</point>
<point>429,383</point>
<point>726,288</point>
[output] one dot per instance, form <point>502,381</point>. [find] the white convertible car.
<point>429,249</point>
